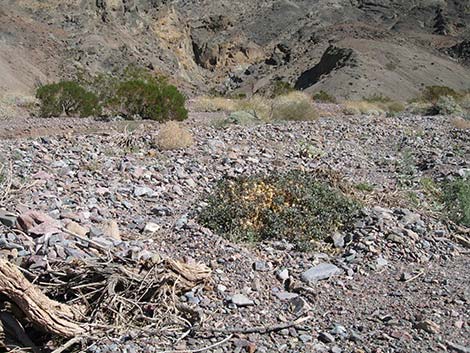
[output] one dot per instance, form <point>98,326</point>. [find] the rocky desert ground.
<point>312,196</point>
<point>397,282</point>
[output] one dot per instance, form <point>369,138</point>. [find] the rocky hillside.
<point>350,48</point>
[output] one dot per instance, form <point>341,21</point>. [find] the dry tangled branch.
<point>5,181</point>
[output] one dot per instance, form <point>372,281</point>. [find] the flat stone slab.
<point>320,272</point>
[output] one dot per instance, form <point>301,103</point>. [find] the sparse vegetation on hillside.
<point>294,206</point>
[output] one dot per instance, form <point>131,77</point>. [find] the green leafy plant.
<point>295,206</point>
<point>456,195</point>
<point>69,98</point>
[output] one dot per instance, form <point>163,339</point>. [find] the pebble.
<point>320,272</point>
<point>286,295</point>
<point>326,337</point>
<point>77,228</point>
<point>283,275</point>
<point>151,228</point>
<point>428,326</point>
<point>6,218</point>
<point>241,300</point>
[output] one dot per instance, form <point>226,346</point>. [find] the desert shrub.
<point>446,105</point>
<point>258,106</point>
<point>173,136</point>
<point>67,97</point>
<point>460,123</point>
<point>394,108</point>
<point>214,104</point>
<point>377,98</point>
<point>456,195</point>
<point>155,100</point>
<point>375,105</point>
<point>293,106</point>
<point>433,93</point>
<point>324,97</point>
<point>362,107</point>
<point>295,206</point>
<point>281,88</point>
<point>420,108</point>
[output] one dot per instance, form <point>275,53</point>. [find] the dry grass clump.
<point>173,135</point>
<point>294,106</point>
<point>368,107</point>
<point>460,123</point>
<point>362,107</point>
<point>291,106</point>
<point>215,104</point>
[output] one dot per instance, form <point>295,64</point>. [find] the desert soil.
<point>400,282</point>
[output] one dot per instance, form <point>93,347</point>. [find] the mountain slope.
<point>395,47</point>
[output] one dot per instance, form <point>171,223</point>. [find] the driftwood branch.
<point>47,314</point>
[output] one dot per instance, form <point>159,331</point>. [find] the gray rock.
<point>143,191</point>
<point>339,330</point>
<point>261,266</point>
<point>283,275</point>
<point>151,228</point>
<point>326,337</point>
<point>7,218</point>
<point>457,347</point>
<point>338,240</point>
<point>241,300</point>
<point>381,262</point>
<point>320,272</point>
<point>305,338</point>
<point>286,295</point>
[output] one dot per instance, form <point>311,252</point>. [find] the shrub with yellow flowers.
<point>295,206</point>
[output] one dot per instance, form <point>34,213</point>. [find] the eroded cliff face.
<point>244,45</point>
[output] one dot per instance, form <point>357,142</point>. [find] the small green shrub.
<point>295,206</point>
<point>456,195</point>
<point>446,105</point>
<point>364,187</point>
<point>281,88</point>
<point>433,93</point>
<point>377,98</point>
<point>324,97</point>
<point>69,98</point>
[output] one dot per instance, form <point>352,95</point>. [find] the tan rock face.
<point>401,46</point>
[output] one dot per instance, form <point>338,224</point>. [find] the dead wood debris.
<point>80,300</point>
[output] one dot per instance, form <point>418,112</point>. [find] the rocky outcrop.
<point>334,58</point>
<point>461,51</point>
